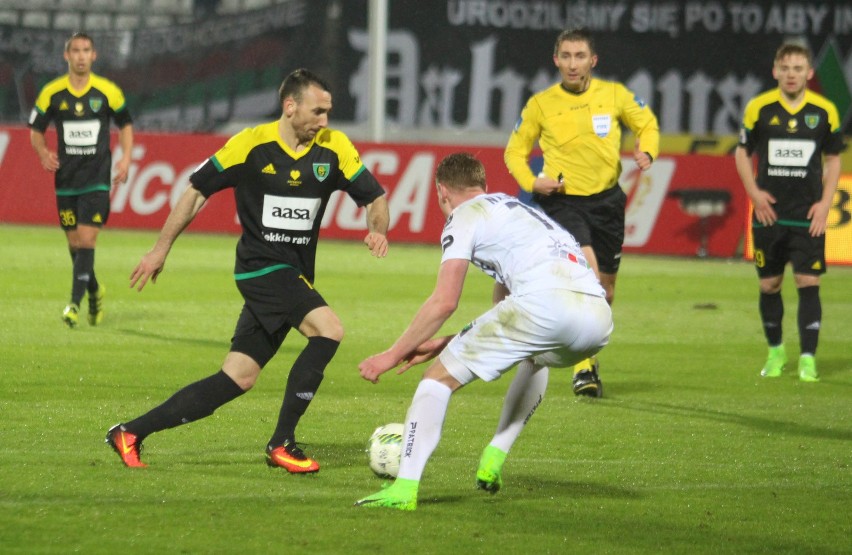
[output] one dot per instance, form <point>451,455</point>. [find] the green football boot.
<point>775,362</point>
<point>807,369</point>
<point>401,495</point>
<point>489,474</point>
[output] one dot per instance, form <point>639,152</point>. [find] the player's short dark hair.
<point>461,170</point>
<point>794,47</point>
<point>575,35</point>
<point>299,80</point>
<point>79,35</point>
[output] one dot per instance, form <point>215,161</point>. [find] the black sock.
<point>302,384</point>
<point>84,264</point>
<point>93,281</point>
<point>772,314</point>
<point>810,317</point>
<point>191,403</point>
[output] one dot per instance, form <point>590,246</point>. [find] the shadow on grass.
<point>755,422</point>
<point>833,366</point>
<point>555,487</point>
<point>174,339</point>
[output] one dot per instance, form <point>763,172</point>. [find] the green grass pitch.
<point>689,452</point>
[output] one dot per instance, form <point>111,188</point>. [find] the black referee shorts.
<point>595,220</point>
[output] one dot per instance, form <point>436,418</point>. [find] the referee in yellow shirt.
<point>576,123</point>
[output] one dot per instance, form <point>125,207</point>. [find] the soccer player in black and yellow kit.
<point>795,135</point>
<point>577,125</point>
<point>82,104</point>
<point>282,174</point>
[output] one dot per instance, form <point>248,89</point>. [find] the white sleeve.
<point>459,236</point>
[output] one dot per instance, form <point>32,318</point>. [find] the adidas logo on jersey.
<point>270,169</point>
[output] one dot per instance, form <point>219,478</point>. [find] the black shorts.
<point>274,303</point>
<point>594,220</point>
<point>86,209</point>
<point>776,245</point>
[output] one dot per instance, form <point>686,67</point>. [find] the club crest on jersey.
<point>96,103</point>
<point>811,120</point>
<point>294,180</point>
<point>78,108</point>
<point>321,171</point>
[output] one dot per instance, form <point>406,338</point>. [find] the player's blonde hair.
<point>794,47</point>
<point>461,170</point>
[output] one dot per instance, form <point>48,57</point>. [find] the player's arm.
<point>378,220</point>
<point>440,305</point>
<point>818,213</point>
<point>125,141</point>
<point>516,156</point>
<point>760,199</point>
<point>643,123</point>
<point>48,158</point>
<point>181,215</point>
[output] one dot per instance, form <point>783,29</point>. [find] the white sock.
<point>524,396</point>
<point>423,425</point>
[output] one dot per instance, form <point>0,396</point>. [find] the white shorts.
<point>556,328</point>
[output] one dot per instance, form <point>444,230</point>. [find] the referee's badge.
<point>602,125</point>
<point>321,171</point>
<point>811,120</point>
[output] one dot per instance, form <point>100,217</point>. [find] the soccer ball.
<point>384,450</point>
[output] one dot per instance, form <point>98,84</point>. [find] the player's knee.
<point>242,369</point>
<point>331,327</point>
<point>770,286</point>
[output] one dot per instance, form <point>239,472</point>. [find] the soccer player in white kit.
<point>549,310</point>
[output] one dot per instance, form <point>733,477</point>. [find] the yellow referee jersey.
<point>580,135</point>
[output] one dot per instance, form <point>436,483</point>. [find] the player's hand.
<point>544,185</point>
<point>122,168</point>
<point>373,367</point>
<point>643,159</point>
<point>49,160</point>
<point>427,350</point>
<point>148,268</point>
<point>377,243</point>
<point>763,210</point>
<point>818,215</point>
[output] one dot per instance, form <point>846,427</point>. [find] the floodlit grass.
<point>689,452</point>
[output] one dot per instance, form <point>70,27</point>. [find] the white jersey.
<point>517,245</point>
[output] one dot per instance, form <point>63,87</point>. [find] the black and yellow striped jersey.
<point>580,135</point>
<point>789,144</point>
<point>281,195</point>
<point>82,119</point>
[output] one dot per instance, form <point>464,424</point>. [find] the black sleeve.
<point>209,179</point>
<point>364,188</point>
